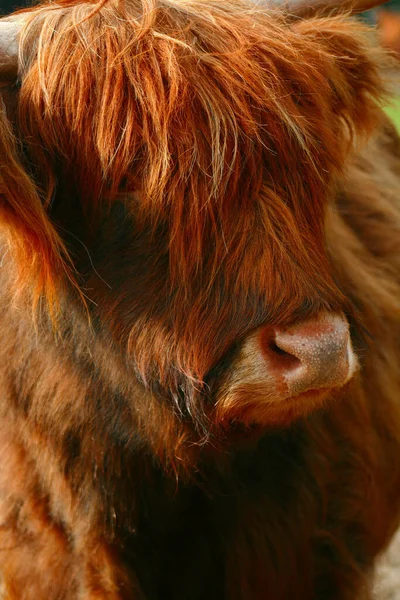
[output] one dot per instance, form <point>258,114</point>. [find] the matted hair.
<point>176,176</point>
<point>198,109</point>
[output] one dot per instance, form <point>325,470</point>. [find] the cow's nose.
<point>310,355</point>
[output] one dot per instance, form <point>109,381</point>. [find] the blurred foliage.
<point>393,112</point>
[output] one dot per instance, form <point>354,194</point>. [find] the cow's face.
<point>184,162</point>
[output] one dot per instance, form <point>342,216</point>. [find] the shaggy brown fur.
<point>175,175</point>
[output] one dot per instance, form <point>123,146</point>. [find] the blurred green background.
<point>393,111</point>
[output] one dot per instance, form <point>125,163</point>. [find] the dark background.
<point>7,6</point>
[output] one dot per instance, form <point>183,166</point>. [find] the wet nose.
<point>310,355</point>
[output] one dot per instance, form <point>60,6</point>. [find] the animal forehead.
<point>11,26</point>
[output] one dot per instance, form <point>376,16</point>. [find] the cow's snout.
<point>283,373</point>
<point>310,355</point>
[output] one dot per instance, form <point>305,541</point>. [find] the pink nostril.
<point>310,355</point>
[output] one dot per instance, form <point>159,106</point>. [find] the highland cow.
<point>200,303</point>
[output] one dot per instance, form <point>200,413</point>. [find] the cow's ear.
<point>349,66</point>
<point>39,257</point>
<point>9,32</point>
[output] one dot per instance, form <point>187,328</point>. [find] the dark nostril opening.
<point>276,349</point>
<point>282,358</point>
